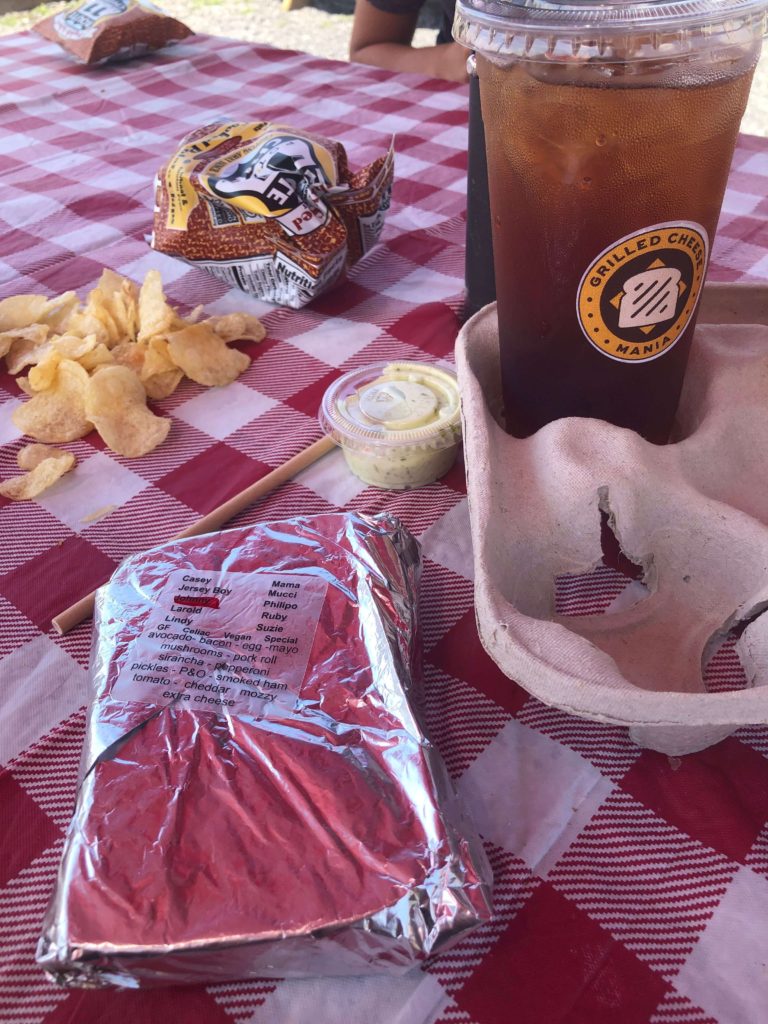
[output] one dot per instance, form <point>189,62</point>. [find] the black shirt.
<point>412,6</point>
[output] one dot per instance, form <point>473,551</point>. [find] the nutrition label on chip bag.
<point>224,641</point>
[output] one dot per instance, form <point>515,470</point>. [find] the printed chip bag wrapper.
<point>271,209</point>
<point>258,795</point>
<point>97,31</point>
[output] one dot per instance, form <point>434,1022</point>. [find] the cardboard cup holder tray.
<point>691,517</point>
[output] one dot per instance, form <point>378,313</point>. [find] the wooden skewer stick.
<point>83,609</point>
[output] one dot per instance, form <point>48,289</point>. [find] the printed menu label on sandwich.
<point>637,297</point>
<point>224,642</point>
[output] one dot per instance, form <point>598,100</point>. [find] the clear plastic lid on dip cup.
<point>398,424</point>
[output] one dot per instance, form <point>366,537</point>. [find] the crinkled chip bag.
<point>94,31</point>
<point>43,465</point>
<point>268,208</point>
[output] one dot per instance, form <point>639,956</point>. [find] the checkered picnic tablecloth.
<point>630,886</point>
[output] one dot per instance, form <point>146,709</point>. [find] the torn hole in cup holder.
<point>721,666</point>
<point>617,583</point>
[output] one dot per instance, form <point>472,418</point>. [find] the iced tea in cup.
<point>609,133</point>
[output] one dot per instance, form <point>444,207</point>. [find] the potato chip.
<point>156,317</point>
<point>23,345</point>
<point>121,299</point>
<point>237,327</point>
<point>63,346</point>
<point>21,311</point>
<point>73,346</point>
<point>32,455</point>
<point>161,385</point>
<point>24,386</point>
<point>83,323</point>
<point>98,356</point>
<point>116,404</point>
<point>129,354</point>
<point>159,374</point>
<point>42,376</point>
<point>126,309</point>
<point>39,478</point>
<point>157,358</point>
<point>204,357</point>
<point>59,310</point>
<point>97,307</point>
<point>58,413</point>
<point>110,283</point>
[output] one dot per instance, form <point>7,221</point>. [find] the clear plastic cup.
<point>609,129</point>
<point>398,424</point>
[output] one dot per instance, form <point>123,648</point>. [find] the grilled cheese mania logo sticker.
<point>636,299</point>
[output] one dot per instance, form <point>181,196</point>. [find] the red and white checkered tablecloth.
<point>630,886</point>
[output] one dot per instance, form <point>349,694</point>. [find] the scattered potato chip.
<point>59,310</point>
<point>42,376</point>
<point>97,308</point>
<point>128,354</point>
<point>156,317</point>
<point>21,311</point>
<point>28,346</point>
<point>64,346</point>
<point>73,346</point>
<point>237,327</point>
<point>107,357</point>
<point>204,357</point>
<point>116,404</point>
<point>110,283</point>
<point>157,358</point>
<point>83,322</point>
<point>57,414</point>
<point>41,475</point>
<point>161,385</point>
<point>125,309</point>
<point>32,337</point>
<point>98,356</point>
<point>31,455</point>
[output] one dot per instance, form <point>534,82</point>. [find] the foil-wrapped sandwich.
<point>259,798</point>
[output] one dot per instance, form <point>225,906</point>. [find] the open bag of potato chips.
<point>270,209</point>
<point>259,797</point>
<point>97,31</point>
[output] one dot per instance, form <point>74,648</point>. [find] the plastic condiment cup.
<point>398,424</point>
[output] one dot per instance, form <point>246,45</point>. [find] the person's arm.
<point>384,40</point>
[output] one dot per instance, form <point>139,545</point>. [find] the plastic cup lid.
<point>389,404</point>
<point>573,30</point>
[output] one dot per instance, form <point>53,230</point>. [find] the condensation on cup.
<point>610,129</point>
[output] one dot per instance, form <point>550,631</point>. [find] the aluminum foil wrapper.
<point>258,796</point>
